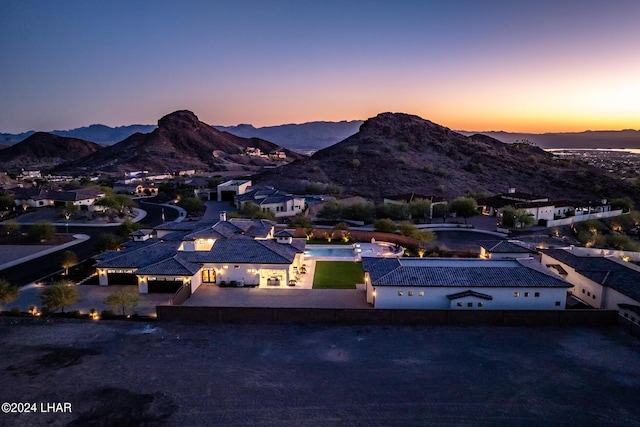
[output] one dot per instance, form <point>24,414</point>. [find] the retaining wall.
<point>592,318</point>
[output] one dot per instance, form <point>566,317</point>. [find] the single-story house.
<point>268,199</point>
<point>82,199</point>
<point>234,252</point>
<point>600,281</point>
<point>462,284</point>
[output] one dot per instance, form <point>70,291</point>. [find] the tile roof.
<point>606,271</point>
<point>140,256</point>
<point>458,273</point>
<point>245,251</point>
<point>174,266</point>
<point>504,246</point>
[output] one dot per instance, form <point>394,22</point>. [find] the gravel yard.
<point>179,374</point>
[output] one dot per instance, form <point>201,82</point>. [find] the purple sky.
<point>475,65</point>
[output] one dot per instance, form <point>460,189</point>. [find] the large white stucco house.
<point>462,284</point>
<point>235,252</point>
<point>269,199</point>
<point>599,281</point>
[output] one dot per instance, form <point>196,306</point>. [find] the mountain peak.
<point>181,119</point>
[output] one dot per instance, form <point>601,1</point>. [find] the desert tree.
<point>123,300</point>
<point>6,204</point>
<point>41,230</point>
<point>68,259</point>
<point>10,227</point>
<point>107,242</point>
<point>59,295</point>
<point>8,293</point>
<point>466,207</point>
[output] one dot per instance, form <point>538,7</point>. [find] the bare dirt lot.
<point>115,373</point>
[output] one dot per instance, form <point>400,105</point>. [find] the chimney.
<point>223,215</point>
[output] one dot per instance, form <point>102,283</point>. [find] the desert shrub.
<point>384,225</point>
<point>41,230</point>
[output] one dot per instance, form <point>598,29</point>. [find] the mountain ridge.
<point>395,153</point>
<point>179,142</point>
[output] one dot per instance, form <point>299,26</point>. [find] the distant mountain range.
<point>627,138</point>
<point>313,136</point>
<point>303,137</point>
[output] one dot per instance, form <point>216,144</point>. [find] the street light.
<point>67,215</point>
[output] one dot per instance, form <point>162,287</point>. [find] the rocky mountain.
<point>100,134</point>
<point>44,150</point>
<point>304,137</point>
<point>398,153</point>
<point>627,138</point>
<point>181,142</point>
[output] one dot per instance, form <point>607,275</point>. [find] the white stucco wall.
<point>583,288</point>
<point>436,298</point>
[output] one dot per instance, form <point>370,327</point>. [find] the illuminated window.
<point>420,293</point>
<point>410,293</point>
<point>516,294</point>
<point>400,293</point>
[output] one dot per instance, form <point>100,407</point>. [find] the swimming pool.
<point>346,252</point>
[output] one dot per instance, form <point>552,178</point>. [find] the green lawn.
<point>337,275</point>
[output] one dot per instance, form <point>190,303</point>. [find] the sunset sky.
<point>543,66</point>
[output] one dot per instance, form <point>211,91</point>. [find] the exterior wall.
<point>579,218</point>
<point>202,244</point>
<point>196,281</point>
<point>237,187</point>
<point>542,212</point>
<point>251,274</point>
<point>289,207</point>
<point>436,298</point>
<point>143,285</point>
<point>103,279</point>
<point>585,289</point>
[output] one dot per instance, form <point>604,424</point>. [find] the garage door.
<point>164,286</point>
<point>122,279</point>
<point>227,196</point>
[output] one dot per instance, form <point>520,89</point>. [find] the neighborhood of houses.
<point>238,252</point>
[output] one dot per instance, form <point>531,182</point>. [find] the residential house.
<point>227,191</point>
<point>268,199</point>
<point>234,252</point>
<point>599,281</point>
<point>35,197</point>
<point>462,284</point>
